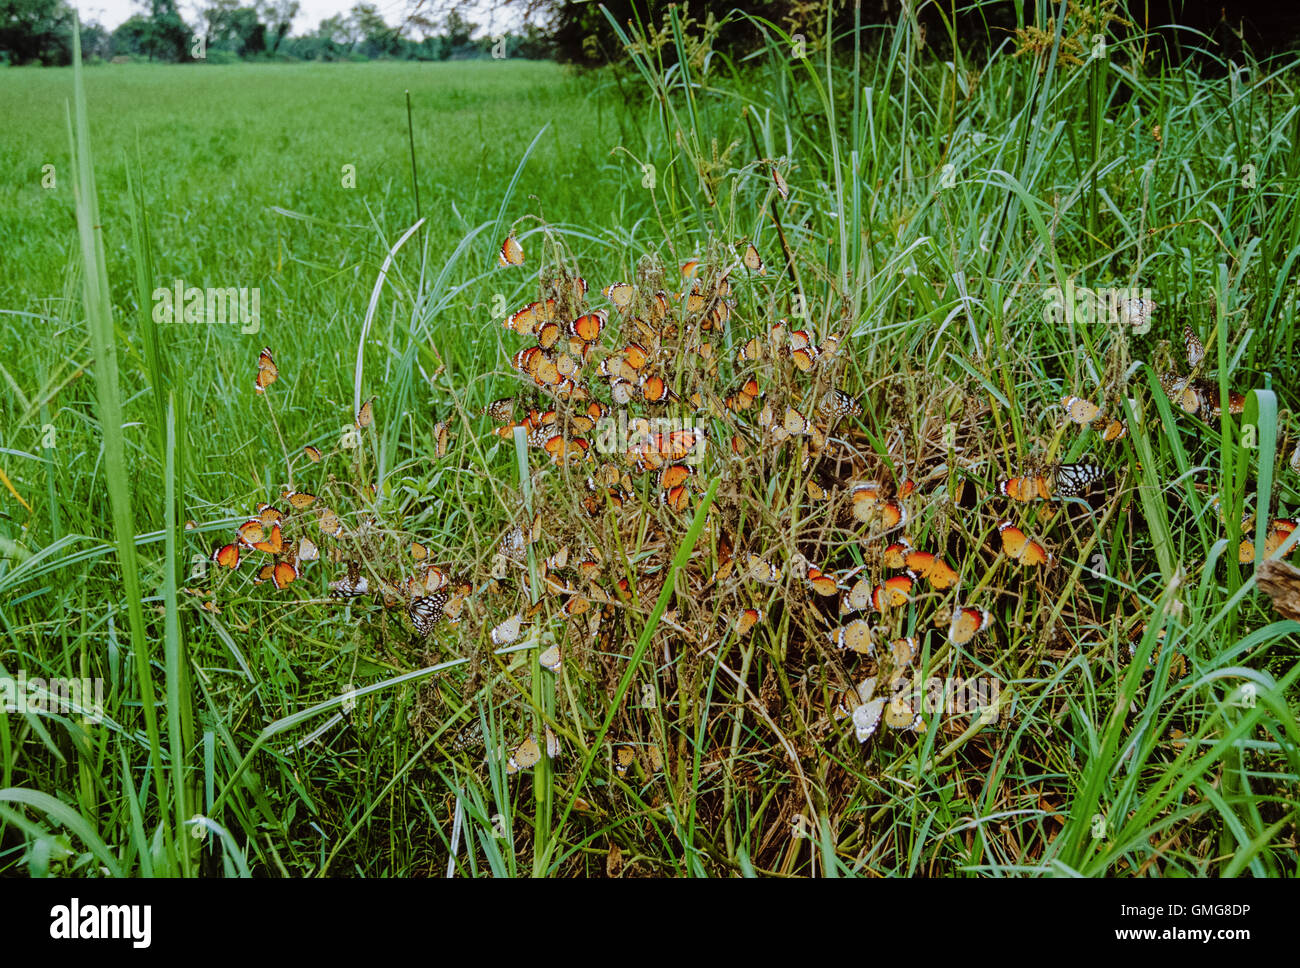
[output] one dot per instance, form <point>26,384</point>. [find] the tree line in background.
<point>580,31</point>
<point>40,32</point>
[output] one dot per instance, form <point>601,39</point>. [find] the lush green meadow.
<point>1145,717</point>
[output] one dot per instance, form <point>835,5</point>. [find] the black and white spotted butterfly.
<point>425,612</point>
<point>1073,478</point>
<point>351,585</point>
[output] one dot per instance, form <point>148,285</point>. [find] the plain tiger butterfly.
<point>283,573</point>
<point>932,568</point>
<point>744,397</point>
<point>312,453</point>
<point>676,498</point>
<point>1019,547</point>
<point>1034,488</point>
<point>751,351</point>
<point>858,597</point>
<point>904,651</point>
<point>966,622</point>
<point>822,583</point>
<point>891,593</point>
<point>747,620</point>
<point>753,262</point>
<point>865,498</point>
<point>329,523</point>
<point>267,371</point>
<point>524,756</point>
<point>366,415</point>
<point>1079,410</point>
<point>576,605</point>
<point>654,389</point>
<point>1114,430</point>
<point>551,659</point>
<point>250,533</point>
<point>298,500</point>
<point>761,570</point>
<point>895,555</point>
<point>227,555</point>
<point>674,475</point>
<point>512,253</point>
<point>620,294</point>
<point>1279,529</point>
<point>589,326</point>
<point>855,636</point>
<point>892,515</point>
<point>508,631</point>
<point>624,757</point>
<point>782,188</point>
<point>803,351</point>
<point>273,543</point>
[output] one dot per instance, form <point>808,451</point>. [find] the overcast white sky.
<point>111,13</point>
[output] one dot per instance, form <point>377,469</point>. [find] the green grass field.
<point>1142,719</point>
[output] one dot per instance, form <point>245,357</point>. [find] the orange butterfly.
<point>1036,488</point>
<point>366,415</point>
<point>782,188</point>
<point>893,592</point>
<point>299,499</point>
<point>823,584</point>
<point>273,543</point>
<point>747,620</point>
<point>966,622</point>
<point>512,253</point>
<point>1021,548</point>
<point>267,371</point>
<point>1079,410</point>
<point>933,569</point>
<point>856,637</point>
<point>251,532</point>
<point>588,327</point>
<point>227,555</point>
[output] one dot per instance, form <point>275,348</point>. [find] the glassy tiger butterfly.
<point>1071,479</point>
<point>424,612</point>
<point>1195,348</point>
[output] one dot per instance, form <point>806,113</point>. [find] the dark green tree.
<point>35,31</point>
